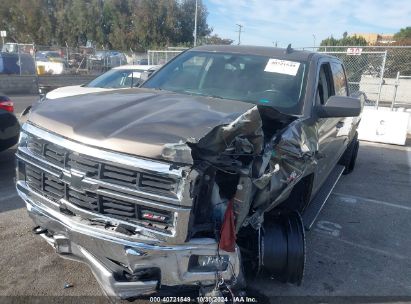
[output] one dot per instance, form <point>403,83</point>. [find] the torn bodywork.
<point>248,167</point>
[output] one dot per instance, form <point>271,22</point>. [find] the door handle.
<point>340,124</point>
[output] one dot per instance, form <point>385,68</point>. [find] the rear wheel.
<point>349,157</point>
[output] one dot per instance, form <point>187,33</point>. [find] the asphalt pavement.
<point>359,246</point>
<point>21,102</point>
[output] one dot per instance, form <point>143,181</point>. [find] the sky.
<point>300,22</point>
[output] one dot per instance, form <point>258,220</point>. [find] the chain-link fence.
<point>79,60</point>
<point>17,59</point>
<point>374,69</point>
<point>31,59</point>
<point>159,57</point>
<point>365,73</point>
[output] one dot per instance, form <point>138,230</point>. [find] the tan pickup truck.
<point>208,173</point>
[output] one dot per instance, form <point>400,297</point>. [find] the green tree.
<point>355,65</point>
<point>344,41</point>
<point>186,21</point>
<point>215,39</point>
<point>403,35</point>
<point>118,24</point>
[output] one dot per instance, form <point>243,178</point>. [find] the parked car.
<point>142,61</point>
<point>50,62</point>
<point>49,56</point>
<point>9,125</point>
<point>104,60</point>
<point>211,170</point>
<point>13,63</point>
<point>125,76</point>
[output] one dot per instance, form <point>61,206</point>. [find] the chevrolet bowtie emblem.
<point>76,180</point>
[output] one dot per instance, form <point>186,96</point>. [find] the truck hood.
<point>136,121</point>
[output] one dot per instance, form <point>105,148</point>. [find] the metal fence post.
<point>18,52</point>
<point>381,80</point>
<point>397,82</point>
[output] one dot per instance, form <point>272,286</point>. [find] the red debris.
<point>227,233</point>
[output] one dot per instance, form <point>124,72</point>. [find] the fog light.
<point>208,263</point>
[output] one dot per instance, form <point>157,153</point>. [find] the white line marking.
<point>365,247</point>
<point>329,228</point>
<point>7,197</point>
<point>354,199</point>
<point>347,258</point>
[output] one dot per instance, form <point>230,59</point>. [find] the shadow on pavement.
<point>9,200</point>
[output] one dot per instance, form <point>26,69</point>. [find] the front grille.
<point>44,183</point>
<point>95,168</point>
<point>91,200</point>
<point>115,175</point>
<point>54,154</point>
<point>87,200</point>
<point>118,208</point>
<point>55,190</point>
<point>82,164</point>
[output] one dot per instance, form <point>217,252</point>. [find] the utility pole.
<point>195,24</point>
<point>3,35</point>
<point>240,28</point>
<point>314,41</point>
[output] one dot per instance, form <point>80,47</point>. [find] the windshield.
<point>250,78</point>
<point>117,79</point>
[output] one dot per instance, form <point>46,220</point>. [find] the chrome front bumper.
<point>110,254</point>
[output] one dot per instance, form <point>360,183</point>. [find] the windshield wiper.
<point>202,94</point>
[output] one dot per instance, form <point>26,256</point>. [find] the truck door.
<point>327,127</point>
<point>344,125</point>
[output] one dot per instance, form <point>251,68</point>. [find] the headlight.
<point>23,139</point>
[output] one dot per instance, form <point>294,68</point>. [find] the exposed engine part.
<point>219,205</point>
<point>282,246</point>
<point>242,200</point>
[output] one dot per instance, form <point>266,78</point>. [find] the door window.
<point>340,82</point>
<point>325,87</point>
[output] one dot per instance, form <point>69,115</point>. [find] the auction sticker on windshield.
<point>282,67</point>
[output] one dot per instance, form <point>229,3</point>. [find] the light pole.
<point>3,35</point>
<point>240,27</point>
<point>195,25</point>
<point>314,40</point>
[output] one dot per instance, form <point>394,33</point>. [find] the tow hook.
<point>39,230</point>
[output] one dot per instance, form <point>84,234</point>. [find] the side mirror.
<point>340,106</point>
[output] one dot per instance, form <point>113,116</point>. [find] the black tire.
<point>349,157</point>
<point>283,248</point>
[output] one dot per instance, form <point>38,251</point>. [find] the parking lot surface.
<point>359,246</point>
<point>23,101</point>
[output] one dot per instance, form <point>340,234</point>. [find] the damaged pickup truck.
<point>211,171</point>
